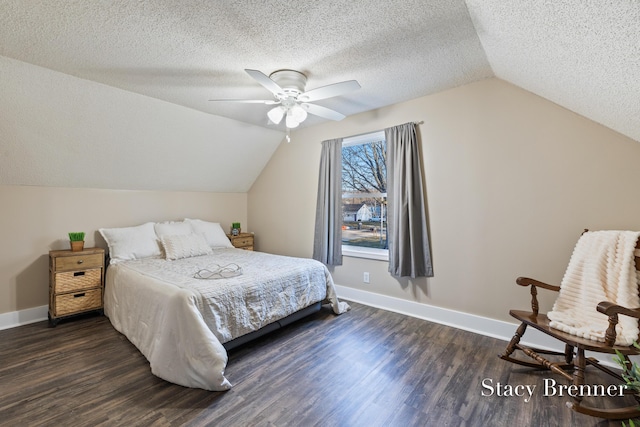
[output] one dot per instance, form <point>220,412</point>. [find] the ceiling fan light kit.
<point>291,122</point>
<point>298,113</point>
<point>291,100</point>
<point>276,114</point>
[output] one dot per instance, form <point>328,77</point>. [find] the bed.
<point>180,314</point>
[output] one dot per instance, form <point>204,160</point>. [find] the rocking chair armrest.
<point>612,310</point>
<point>525,281</point>
<point>534,285</point>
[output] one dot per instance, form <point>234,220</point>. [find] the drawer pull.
<point>79,295</point>
<point>78,273</point>
<point>80,261</point>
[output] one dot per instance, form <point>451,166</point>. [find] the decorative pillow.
<point>213,233</point>
<point>184,246</point>
<point>172,228</point>
<point>129,243</point>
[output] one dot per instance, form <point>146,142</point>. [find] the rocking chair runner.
<point>574,364</point>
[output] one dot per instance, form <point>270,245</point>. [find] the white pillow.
<point>172,228</point>
<point>185,245</point>
<point>213,233</point>
<point>129,243</point>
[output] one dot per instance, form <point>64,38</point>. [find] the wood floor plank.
<point>368,367</point>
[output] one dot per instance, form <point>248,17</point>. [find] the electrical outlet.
<point>365,277</point>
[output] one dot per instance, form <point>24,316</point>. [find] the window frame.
<point>361,251</point>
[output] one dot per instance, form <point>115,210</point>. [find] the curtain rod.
<point>379,130</point>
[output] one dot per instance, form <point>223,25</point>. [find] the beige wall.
<point>512,179</point>
<point>34,220</point>
<point>118,139</point>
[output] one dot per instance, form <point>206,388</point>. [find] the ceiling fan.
<point>291,101</point>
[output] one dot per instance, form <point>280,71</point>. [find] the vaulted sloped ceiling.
<point>187,52</point>
<point>582,55</point>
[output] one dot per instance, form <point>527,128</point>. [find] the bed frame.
<point>272,326</point>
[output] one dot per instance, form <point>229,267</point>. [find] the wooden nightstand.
<point>76,282</point>
<point>242,241</point>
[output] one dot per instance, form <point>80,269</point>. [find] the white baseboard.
<point>469,322</point>
<point>23,317</point>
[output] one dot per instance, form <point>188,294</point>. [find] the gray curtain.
<point>327,239</point>
<point>409,252</point>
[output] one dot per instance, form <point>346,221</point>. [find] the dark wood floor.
<point>368,367</point>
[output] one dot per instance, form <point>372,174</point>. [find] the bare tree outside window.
<point>364,194</point>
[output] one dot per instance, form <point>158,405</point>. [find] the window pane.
<point>364,191</point>
<point>364,222</point>
<point>364,168</point>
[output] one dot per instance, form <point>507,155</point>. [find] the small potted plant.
<point>77,241</point>
<point>235,228</point>
<point>631,376</point>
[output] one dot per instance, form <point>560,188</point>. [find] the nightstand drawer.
<point>77,280</point>
<point>77,302</point>
<point>77,262</point>
<point>241,242</point>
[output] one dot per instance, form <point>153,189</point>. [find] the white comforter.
<point>179,323</point>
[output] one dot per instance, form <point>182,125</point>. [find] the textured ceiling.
<point>582,55</point>
<point>187,52</point>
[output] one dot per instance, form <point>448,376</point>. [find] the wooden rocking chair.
<point>574,364</point>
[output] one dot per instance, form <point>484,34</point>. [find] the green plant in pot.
<point>76,239</point>
<point>631,376</point>
<point>235,228</point>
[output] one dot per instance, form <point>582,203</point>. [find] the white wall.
<point>512,179</point>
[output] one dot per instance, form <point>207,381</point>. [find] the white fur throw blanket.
<point>601,268</point>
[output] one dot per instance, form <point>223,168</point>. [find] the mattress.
<point>180,322</point>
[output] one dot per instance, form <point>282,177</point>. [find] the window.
<point>364,196</point>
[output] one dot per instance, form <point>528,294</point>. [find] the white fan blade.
<point>329,91</point>
<point>323,112</point>
<point>265,81</point>
<point>248,101</point>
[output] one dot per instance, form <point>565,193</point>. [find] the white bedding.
<point>179,323</point>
